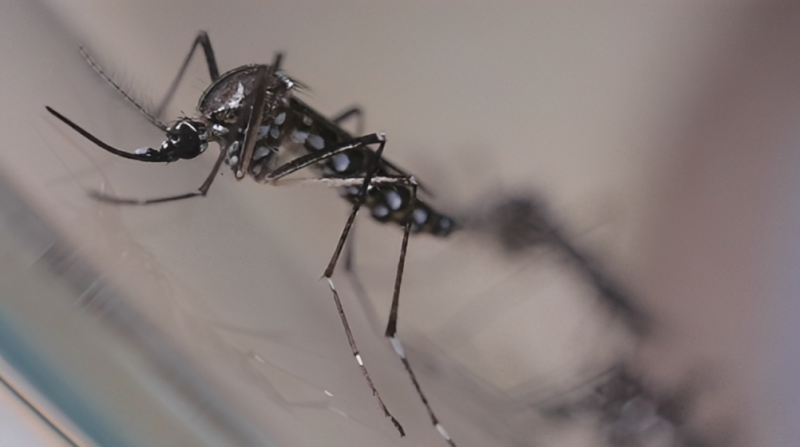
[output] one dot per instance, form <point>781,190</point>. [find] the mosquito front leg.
<point>211,60</point>
<point>155,116</point>
<point>201,191</point>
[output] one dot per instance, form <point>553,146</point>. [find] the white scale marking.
<point>237,97</point>
<point>398,347</point>
<point>393,199</point>
<point>316,142</point>
<point>442,431</point>
<point>261,152</point>
<point>380,211</point>
<point>299,136</point>
<point>420,216</point>
<point>340,162</point>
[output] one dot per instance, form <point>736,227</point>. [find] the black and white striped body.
<point>290,128</point>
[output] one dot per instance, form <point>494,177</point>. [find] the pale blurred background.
<point>663,135</point>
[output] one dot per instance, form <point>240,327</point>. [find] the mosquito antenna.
<point>142,109</point>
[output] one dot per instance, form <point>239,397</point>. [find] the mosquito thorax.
<point>186,138</point>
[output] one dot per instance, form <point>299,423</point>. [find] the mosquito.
<point>253,114</point>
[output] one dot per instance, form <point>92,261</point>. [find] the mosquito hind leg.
<point>329,273</point>
<point>308,160</point>
<point>391,331</point>
<point>357,113</point>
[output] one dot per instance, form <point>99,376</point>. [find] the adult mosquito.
<point>254,116</point>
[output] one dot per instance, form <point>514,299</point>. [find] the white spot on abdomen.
<point>393,199</point>
<point>299,136</point>
<point>340,162</point>
<point>316,142</point>
<point>420,216</point>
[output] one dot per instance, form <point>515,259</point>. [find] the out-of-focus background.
<point>663,136</point>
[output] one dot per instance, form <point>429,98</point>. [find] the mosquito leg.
<point>358,114</point>
<point>349,252</point>
<point>391,331</point>
<point>349,260</point>
<point>332,264</point>
<point>357,355</point>
<point>353,112</point>
<point>309,159</point>
<point>254,118</point>
<point>356,205</point>
<point>213,71</point>
<point>396,344</point>
<point>201,191</point>
<point>154,116</point>
<point>332,182</point>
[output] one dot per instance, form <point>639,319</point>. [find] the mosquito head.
<point>186,138</point>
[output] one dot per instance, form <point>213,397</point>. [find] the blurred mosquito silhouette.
<point>633,413</point>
